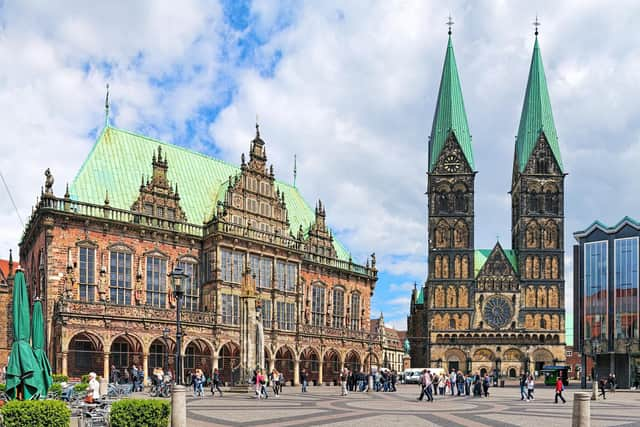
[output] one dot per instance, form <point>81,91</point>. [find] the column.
<point>214,362</point>
<point>272,364</point>
<point>145,367</point>
<point>105,366</point>
<point>296,372</point>
<point>320,373</point>
<point>65,363</point>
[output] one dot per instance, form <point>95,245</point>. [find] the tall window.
<point>286,275</point>
<point>120,278</point>
<point>338,308</point>
<point>355,311</point>
<point>266,313</point>
<point>261,267</point>
<point>230,309</point>
<point>317,305</point>
<point>285,315</point>
<point>190,283</point>
<point>231,265</point>
<point>292,276</point>
<point>280,274</point>
<point>595,289</point>
<point>156,282</point>
<point>87,274</point>
<point>626,284</point>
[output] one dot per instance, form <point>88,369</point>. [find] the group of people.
<point>199,380</point>
<point>604,383</point>
<point>456,383</point>
<point>133,376</point>
<point>262,382</point>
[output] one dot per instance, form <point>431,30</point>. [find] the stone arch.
<point>555,322</point>
<point>512,355</point>
<point>530,297</point>
<point>445,266</point>
<point>85,354</point>
<point>457,267</point>
<point>465,267</point>
<point>285,359</point>
<point>547,267</point>
<point>310,361</point>
<point>197,355</point>
<point>532,234</point>
<point>125,350</point>
<point>442,235</point>
<point>553,297</point>
<point>542,297</point>
<point>541,358</point>
<point>161,354</point>
<point>439,297</point>
<point>512,372</point>
<point>371,362</point>
<point>437,267</point>
<point>452,297</point>
<point>536,267</point>
<point>352,361</point>
<point>330,366</point>
<point>550,235</point>
<point>461,235</point>
<point>555,270</point>
<point>484,355</point>
<point>229,362</point>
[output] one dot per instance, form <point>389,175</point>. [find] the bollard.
<point>178,406</point>
<point>104,387</point>
<point>594,390</point>
<point>370,384</point>
<point>581,416</point>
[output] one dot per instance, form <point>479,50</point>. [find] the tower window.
<point>442,203</point>
<point>461,205</point>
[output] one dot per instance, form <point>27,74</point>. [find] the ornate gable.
<point>452,159</point>
<point>252,199</point>
<point>157,197</point>
<point>319,238</point>
<point>497,273</point>
<point>542,161</point>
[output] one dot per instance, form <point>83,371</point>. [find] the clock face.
<point>497,312</point>
<point>451,163</point>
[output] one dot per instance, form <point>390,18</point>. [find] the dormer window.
<point>148,209</point>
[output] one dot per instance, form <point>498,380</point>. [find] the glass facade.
<point>626,288</point>
<point>595,289</point>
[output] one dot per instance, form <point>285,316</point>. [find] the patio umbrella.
<point>37,342</point>
<point>22,379</point>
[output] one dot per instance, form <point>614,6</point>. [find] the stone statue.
<point>48,182</point>
<point>407,346</point>
<point>102,285</point>
<point>259,339</point>
<point>139,290</point>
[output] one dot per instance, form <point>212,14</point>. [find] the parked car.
<point>412,376</point>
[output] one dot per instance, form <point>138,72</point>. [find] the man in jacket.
<point>559,390</point>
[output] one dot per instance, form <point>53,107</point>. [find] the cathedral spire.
<point>536,117</point>
<point>450,116</point>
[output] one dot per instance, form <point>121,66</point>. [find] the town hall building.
<point>497,309</point>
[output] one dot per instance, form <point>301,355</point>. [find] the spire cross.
<point>106,107</point>
<point>450,23</point>
<point>536,24</point>
<point>257,127</point>
<point>295,171</point>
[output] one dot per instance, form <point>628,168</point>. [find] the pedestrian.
<point>452,380</point>
<point>460,383</point>
<point>602,385</point>
<point>423,385</point>
<point>280,382</point>
<point>560,389</point>
<point>394,379</point>
<point>344,375</point>
<point>303,380</point>
<point>215,382</point>
<point>523,387</point>
<point>467,384</point>
<point>530,385</point>
<point>275,382</point>
<point>134,377</point>
<point>485,385</point>
<point>93,390</point>
<point>442,383</point>
<point>612,382</point>
<point>115,374</point>
<point>197,379</point>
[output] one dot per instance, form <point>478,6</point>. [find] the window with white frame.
<point>355,311</point>
<point>156,281</point>
<point>87,274</point>
<point>317,305</point>
<point>285,315</point>
<point>191,287</point>
<point>120,277</point>
<point>338,308</point>
<point>230,309</point>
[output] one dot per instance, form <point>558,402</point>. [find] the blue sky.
<point>349,87</point>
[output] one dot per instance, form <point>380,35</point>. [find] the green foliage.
<point>58,378</point>
<point>85,379</point>
<point>35,413</point>
<point>56,388</point>
<point>3,387</point>
<point>140,412</point>
<point>80,387</point>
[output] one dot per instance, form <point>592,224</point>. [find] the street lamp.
<point>177,277</point>
<point>526,365</point>
<point>370,382</point>
<point>165,336</point>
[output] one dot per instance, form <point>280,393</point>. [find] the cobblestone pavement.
<point>323,406</point>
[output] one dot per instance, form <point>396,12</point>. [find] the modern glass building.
<point>606,320</point>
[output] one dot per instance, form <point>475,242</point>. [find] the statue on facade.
<point>138,293</point>
<point>103,293</point>
<point>407,346</point>
<point>48,182</point>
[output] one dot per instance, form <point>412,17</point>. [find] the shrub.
<point>58,378</point>
<point>36,413</point>
<point>140,412</point>
<point>80,387</point>
<point>3,387</point>
<point>56,388</point>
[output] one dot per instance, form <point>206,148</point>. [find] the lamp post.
<point>526,365</point>
<point>370,382</point>
<point>165,336</point>
<point>177,277</point>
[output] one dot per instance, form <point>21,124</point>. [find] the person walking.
<point>423,385</point>
<point>275,382</point>
<point>559,390</point>
<point>344,375</point>
<point>442,382</point>
<point>523,387</point>
<point>215,382</point>
<point>530,385</point>
<point>603,388</point>
<point>452,380</point>
<point>303,380</point>
<point>485,385</point>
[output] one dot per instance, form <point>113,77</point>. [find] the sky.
<point>348,87</point>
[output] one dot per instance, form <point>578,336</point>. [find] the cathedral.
<point>492,310</point>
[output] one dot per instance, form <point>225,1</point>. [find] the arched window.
<point>317,305</point>
<point>543,324</point>
<point>338,308</point>
<point>542,165</point>
<point>460,201</point>
<point>533,201</point>
<point>355,311</point>
<point>190,285</point>
<point>442,202</point>
<point>452,324</point>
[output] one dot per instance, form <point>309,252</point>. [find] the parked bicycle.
<point>162,389</point>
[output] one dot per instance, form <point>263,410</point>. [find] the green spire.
<point>537,116</point>
<point>450,115</point>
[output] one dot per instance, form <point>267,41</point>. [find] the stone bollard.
<point>104,387</point>
<point>581,416</point>
<point>594,390</point>
<point>370,384</point>
<point>178,406</point>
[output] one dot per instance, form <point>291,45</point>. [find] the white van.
<point>412,376</point>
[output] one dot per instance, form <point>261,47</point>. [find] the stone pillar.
<point>320,374</point>
<point>178,406</point>
<point>65,363</point>
<point>248,332</point>
<point>104,386</point>
<point>296,372</point>
<point>594,389</point>
<point>105,366</point>
<point>272,364</point>
<point>145,367</point>
<point>581,416</point>
<point>214,362</point>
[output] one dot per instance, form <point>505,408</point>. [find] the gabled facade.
<point>495,310</point>
<point>99,257</point>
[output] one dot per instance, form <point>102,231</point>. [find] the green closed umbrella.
<point>23,366</point>
<point>37,342</point>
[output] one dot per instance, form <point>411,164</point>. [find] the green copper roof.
<point>120,158</point>
<point>481,256</point>
<point>420,298</point>
<point>450,115</point>
<point>536,115</point>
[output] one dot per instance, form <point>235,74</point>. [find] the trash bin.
<point>501,383</point>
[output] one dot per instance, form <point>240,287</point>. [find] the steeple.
<point>536,117</point>
<point>450,115</point>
